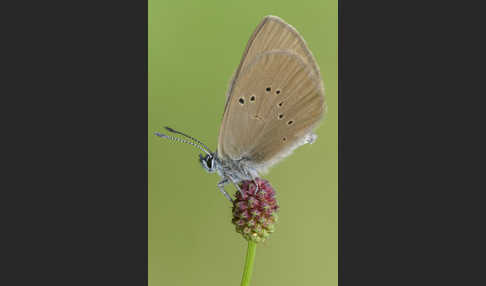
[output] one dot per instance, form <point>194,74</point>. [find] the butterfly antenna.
<point>182,141</point>
<point>190,137</point>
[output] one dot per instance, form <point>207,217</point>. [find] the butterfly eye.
<point>242,100</point>
<point>252,98</point>
<point>284,139</point>
<point>280,104</point>
<point>268,89</point>
<point>280,116</point>
<point>277,91</point>
<point>290,122</point>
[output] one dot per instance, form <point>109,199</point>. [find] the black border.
<point>374,170</point>
<point>77,165</point>
<point>405,186</point>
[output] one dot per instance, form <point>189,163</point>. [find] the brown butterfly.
<point>274,101</point>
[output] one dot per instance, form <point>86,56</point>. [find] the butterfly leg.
<point>221,188</point>
<point>256,186</point>
<point>237,187</point>
<point>254,181</point>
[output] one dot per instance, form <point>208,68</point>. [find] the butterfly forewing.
<point>273,33</point>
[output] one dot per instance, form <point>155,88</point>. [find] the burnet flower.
<point>255,210</point>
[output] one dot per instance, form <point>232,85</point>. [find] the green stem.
<point>250,257</point>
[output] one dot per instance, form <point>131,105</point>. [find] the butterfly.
<point>274,102</point>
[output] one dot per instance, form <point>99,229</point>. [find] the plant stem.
<point>250,257</point>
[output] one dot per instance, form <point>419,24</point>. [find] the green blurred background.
<point>194,48</point>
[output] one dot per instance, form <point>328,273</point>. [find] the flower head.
<point>255,210</point>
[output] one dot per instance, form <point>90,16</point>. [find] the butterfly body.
<point>274,102</point>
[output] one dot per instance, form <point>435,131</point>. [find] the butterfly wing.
<point>275,99</point>
<point>276,102</point>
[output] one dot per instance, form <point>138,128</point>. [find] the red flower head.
<point>255,211</point>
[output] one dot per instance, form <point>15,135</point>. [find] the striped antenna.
<point>180,140</point>
<point>190,137</point>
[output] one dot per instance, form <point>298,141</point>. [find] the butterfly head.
<point>208,162</point>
